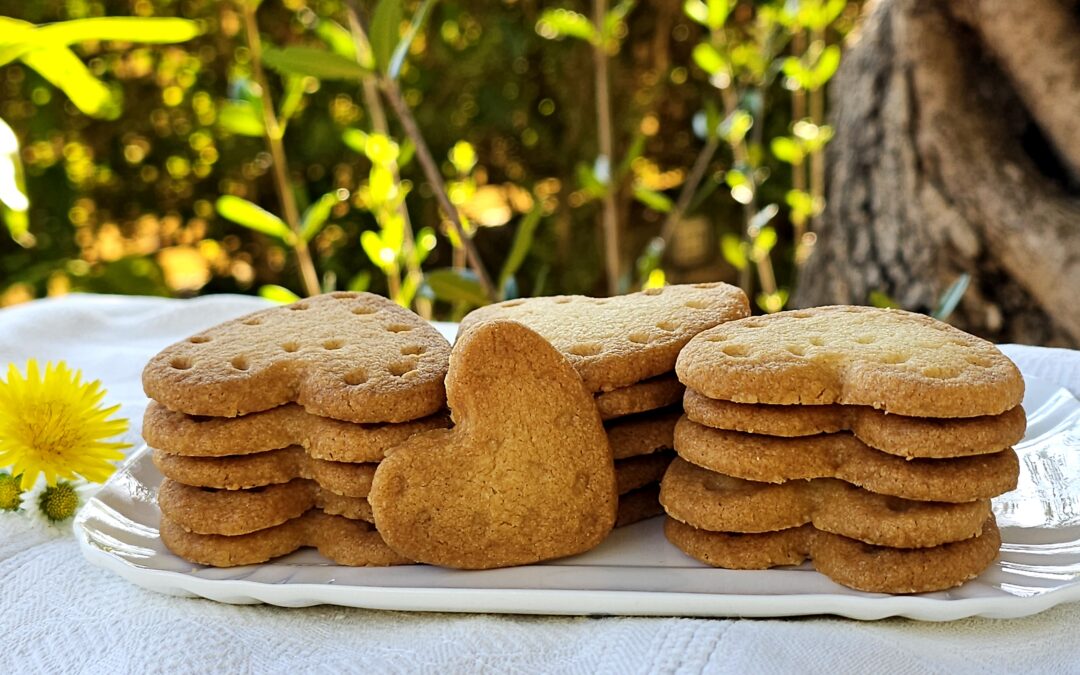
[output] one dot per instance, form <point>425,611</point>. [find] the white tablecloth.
<point>59,614</point>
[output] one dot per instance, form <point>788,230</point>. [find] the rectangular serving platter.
<point>635,571</point>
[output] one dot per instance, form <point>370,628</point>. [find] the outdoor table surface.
<point>60,614</point>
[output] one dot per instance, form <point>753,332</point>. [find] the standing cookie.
<point>525,475</point>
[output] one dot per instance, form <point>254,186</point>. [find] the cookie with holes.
<point>849,562</point>
<point>712,501</point>
<point>355,357</point>
<point>910,437</point>
<point>892,360</point>
<point>638,483</point>
<point>239,472</point>
<point>843,456</point>
<point>621,341</point>
<point>343,540</point>
<point>323,438</point>
<point>526,473</point>
<point>234,512</point>
<point>655,393</point>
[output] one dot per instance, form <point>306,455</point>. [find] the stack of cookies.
<point>269,428</point>
<point>624,348</point>
<point>870,441</point>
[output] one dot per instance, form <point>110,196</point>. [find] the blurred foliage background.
<point>277,148</point>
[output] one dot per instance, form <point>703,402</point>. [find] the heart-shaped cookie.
<point>356,357</point>
<point>896,361</point>
<point>617,342</point>
<point>524,475</point>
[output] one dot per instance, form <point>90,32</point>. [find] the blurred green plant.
<point>605,33</point>
<point>743,62</point>
<point>526,145</point>
<point>47,50</point>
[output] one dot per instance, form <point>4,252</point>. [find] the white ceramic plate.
<point>636,571</point>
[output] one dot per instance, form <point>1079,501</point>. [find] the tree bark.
<point>952,156</point>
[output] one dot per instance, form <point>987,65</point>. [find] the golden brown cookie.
<point>620,341</point>
<point>636,472</point>
<point>652,394</point>
<point>344,541</point>
<point>642,434</point>
<point>525,475</point>
<point>234,512</point>
<point>266,468</point>
<point>925,437</point>
<point>324,438</point>
<point>637,505</point>
<point>874,569</point>
<point>772,459</point>
<point>712,501</point>
<point>897,361</point>
<point>356,357</point>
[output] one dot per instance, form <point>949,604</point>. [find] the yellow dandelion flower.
<point>52,423</point>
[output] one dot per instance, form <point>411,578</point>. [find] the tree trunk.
<point>957,150</point>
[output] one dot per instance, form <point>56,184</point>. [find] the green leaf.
<point>826,66</point>
<point>736,125</point>
<point>709,58</point>
<point>65,71</point>
<point>456,286</point>
<point>337,38</point>
<point>951,297</point>
<point>312,62</point>
<point>385,32</point>
<point>355,139</point>
<point>361,282</point>
<point>883,300</point>
<point>787,150</point>
<point>731,246</point>
<point>146,30</point>
<point>278,294</point>
<point>523,240</point>
<point>463,157</point>
<point>290,102</point>
<point>17,38</point>
<point>560,23</point>
<point>615,16</point>
<point>657,201</point>
<point>772,302</point>
<point>763,244</point>
<point>241,118</point>
<point>380,149</point>
<point>588,181</point>
<point>734,178</point>
<point>424,243</point>
<point>316,215</point>
<point>697,10</point>
<point>253,217</point>
<point>801,203</point>
<point>794,68</point>
<point>403,45</point>
<point>381,256</point>
<point>717,14</point>
<point>406,153</point>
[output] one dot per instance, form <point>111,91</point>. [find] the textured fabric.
<point>59,614</point>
